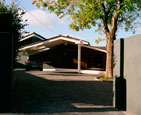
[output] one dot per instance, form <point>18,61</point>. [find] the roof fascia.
<point>32,35</point>
<point>66,39</point>
<point>98,49</point>
<point>52,40</point>
<point>34,45</point>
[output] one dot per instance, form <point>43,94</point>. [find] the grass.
<point>104,78</point>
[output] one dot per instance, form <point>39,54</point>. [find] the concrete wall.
<point>127,74</point>
<point>21,59</point>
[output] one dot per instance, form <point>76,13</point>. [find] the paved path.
<point>62,93</point>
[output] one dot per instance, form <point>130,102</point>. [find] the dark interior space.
<point>66,56</point>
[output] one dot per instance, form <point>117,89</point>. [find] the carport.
<point>72,43</point>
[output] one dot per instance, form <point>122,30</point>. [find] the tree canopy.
<point>88,13</point>
<point>11,21</point>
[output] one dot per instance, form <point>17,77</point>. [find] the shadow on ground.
<point>33,94</point>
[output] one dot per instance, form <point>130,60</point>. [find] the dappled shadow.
<point>34,94</point>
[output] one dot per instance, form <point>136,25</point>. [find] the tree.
<point>107,15</point>
<point>11,20</point>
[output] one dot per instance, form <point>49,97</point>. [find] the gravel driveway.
<point>62,93</point>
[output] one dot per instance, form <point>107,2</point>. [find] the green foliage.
<point>11,19</point>
<point>87,13</point>
<point>99,40</point>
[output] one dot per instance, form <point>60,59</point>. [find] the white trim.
<point>26,47</point>
<point>79,58</point>
<point>32,35</point>
<point>41,47</point>
<point>72,36</point>
<point>93,72</point>
<point>26,37</point>
<point>45,49</point>
<point>52,40</point>
<point>66,39</point>
<point>98,49</point>
<point>49,69</point>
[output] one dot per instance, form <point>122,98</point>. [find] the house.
<point>31,38</point>
<point>64,52</point>
<point>28,40</point>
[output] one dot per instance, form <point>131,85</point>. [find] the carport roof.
<point>46,44</point>
<point>44,40</point>
<point>56,38</point>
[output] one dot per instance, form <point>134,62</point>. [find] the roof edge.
<point>31,35</point>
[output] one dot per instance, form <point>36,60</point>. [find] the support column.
<point>79,58</point>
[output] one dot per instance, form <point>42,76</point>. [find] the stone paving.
<point>52,93</point>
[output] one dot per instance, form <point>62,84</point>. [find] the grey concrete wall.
<point>127,73</point>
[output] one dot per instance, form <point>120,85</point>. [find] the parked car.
<point>33,64</point>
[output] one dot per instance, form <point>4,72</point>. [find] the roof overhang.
<point>95,48</point>
<point>52,42</point>
<point>46,45</point>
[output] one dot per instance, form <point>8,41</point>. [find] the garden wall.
<point>127,74</point>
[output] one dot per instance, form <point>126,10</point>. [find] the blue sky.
<point>49,25</point>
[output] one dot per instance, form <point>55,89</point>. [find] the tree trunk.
<point>109,58</point>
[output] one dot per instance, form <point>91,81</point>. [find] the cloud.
<point>40,18</point>
<point>138,29</point>
<point>102,36</point>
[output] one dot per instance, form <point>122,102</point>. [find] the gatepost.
<point>6,62</point>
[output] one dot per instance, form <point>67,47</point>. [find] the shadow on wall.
<point>34,94</point>
<point>120,82</point>
<point>120,101</point>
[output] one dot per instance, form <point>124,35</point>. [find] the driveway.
<point>62,93</point>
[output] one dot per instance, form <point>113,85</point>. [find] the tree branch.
<point>105,19</point>
<point>113,26</point>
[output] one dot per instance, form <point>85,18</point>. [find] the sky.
<point>49,25</point>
